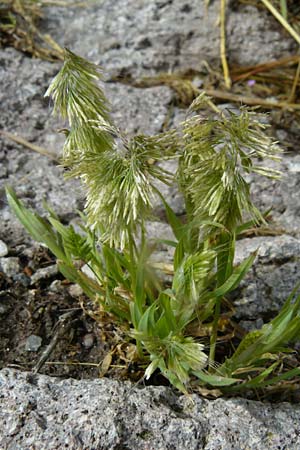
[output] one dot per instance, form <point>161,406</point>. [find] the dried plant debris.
<point>19,28</point>
<point>289,10</point>
<point>270,84</point>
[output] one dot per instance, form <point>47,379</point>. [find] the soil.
<point>48,310</point>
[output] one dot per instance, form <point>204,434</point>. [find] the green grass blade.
<point>90,287</point>
<point>179,254</point>
<point>215,380</point>
<point>176,224</point>
<point>235,279</point>
<point>225,249</point>
<point>256,382</point>
<point>147,322</point>
<point>36,226</point>
<point>284,376</point>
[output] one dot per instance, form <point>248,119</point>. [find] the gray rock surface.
<point>44,413</point>
<point>134,37</point>
<point>272,278</point>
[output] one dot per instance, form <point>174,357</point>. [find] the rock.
<point>272,278</point>
<point>139,110</point>
<point>56,286</point>
<point>144,38</point>
<point>157,231</point>
<point>88,340</point>
<point>10,266</point>
<point>281,195</point>
<point>23,279</point>
<point>271,249</point>
<point>33,343</point>
<point>75,290</point>
<point>44,274</point>
<point>3,249</point>
<point>47,413</point>
<point>170,193</point>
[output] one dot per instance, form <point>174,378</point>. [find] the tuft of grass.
<point>118,174</point>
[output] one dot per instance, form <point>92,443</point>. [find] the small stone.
<point>3,249</point>
<point>10,266</point>
<point>88,340</point>
<point>45,273</point>
<point>56,286</point>
<point>75,290</point>
<point>33,343</point>
<point>22,279</point>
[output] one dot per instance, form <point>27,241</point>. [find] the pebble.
<point>33,343</point>
<point>56,286</point>
<point>3,249</point>
<point>88,340</point>
<point>10,266</point>
<point>42,274</point>
<point>75,290</point>
<point>22,279</point>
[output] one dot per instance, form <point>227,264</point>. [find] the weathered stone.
<point>33,343</point>
<point>281,195</point>
<point>75,290</point>
<point>56,286</point>
<point>44,273</point>
<point>274,275</point>
<point>23,279</point>
<point>88,340</point>
<point>137,110</point>
<point>10,266</point>
<point>129,37</point>
<point>47,413</point>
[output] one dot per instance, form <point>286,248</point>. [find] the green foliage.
<point>119,174</point>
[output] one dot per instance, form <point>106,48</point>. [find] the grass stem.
<point>282,20</point>
<point>223,44</point>
<point>252,101</point>
<point>35,148</point>
<point>295,84</point>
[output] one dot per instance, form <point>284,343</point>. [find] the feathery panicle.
<point>218,153</point>
<point>115,171</point>
<point>119,184</point>
<point>75,92</point>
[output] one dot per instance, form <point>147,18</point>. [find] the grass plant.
<point>119,175</point>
